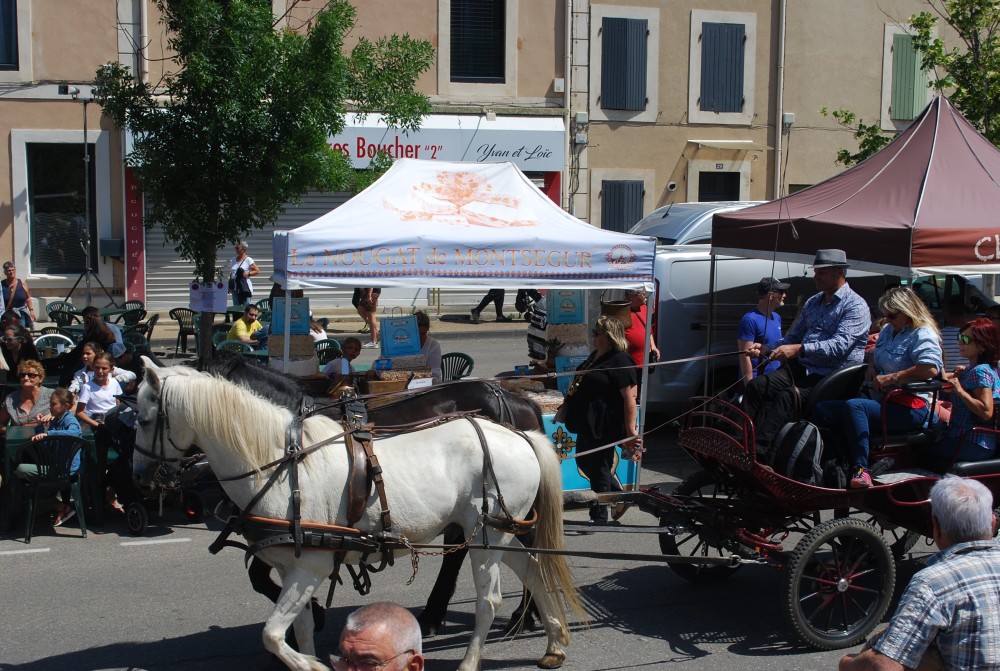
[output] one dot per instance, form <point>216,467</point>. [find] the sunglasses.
<point>14,339</point>
<point>964,339</point>
<point>31,375</point>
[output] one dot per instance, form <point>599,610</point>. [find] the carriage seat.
<point>841,384</point>
<point>985,467</point>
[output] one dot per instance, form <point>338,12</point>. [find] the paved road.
<point>113,602</point>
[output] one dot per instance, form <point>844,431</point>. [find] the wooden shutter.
<point>623,63</point>
<point>909,81</point>
<point>722,58</point>
<point>622,204</point>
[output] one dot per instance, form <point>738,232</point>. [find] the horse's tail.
<point>549,531</point>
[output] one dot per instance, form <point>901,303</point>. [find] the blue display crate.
<point>626,471</point>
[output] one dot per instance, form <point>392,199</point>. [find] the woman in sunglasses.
<point>974,395</point>
<point>17,346</point>
<point>908,350</point>
<point>30,402</point>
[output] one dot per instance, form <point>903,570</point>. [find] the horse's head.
<point>158,441</point>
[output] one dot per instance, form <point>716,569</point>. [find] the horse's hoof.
<point>319,616</point>
<point>552,661</point>
<point>428,628</point>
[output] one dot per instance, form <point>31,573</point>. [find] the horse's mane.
<point>280,389</point>
<point>237,415</point>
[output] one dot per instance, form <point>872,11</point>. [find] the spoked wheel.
<point>696,541</point>
<point>194,507</point>
<point>900,539</point>
<point>136,518</point>
<point>840,581</point>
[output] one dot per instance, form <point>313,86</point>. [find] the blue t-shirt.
<point>756,327</point>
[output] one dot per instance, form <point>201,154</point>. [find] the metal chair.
<point>455,366</point>
<point>51,462</point>
<point>185,326</point>
<point>327,350</point>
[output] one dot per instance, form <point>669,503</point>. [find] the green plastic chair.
<point>327,350</point>
<point>52,459</point>
<point>455,366</point>
<point>237,346</point>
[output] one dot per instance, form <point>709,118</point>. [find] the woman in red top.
<point>636,333</point>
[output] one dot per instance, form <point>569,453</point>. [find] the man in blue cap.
<point>828,334</point>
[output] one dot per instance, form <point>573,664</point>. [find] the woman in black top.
<point>16,296</point>
<point>16,347</point>
<point>601,409</point>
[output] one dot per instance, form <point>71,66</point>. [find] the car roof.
<point>677,223</point>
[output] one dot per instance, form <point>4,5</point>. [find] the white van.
<point>682,274</point>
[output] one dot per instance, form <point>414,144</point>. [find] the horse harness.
<point>364,471</point>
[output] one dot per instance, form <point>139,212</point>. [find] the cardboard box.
<point>381,387</point>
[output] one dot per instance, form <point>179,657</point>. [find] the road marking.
<point>23,552</point>
<point>155,542</point>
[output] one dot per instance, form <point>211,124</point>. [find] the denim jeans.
<point>860,417</point>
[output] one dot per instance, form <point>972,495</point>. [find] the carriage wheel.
<point>840,581</point>
<point>691,543</point>
<point>136,518</point>
<point>194,507</point>
<point>900,539</point>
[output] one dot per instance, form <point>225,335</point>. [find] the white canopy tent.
<point>458,225</point>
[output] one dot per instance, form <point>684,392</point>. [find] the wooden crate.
<point>381,387</point>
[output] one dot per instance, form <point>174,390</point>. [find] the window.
<point>723,59</point>
<point>8,35</point>
<point>718,186</point>
<point>622,206</point>
<point>478,38</point>
<point>909,81</point>
<point>722,67</point>
<point>56,208</point>
<point>623,63</point>
<point>904,83</point>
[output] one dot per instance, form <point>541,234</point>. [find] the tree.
<point>244,120</point>
<point>969,73</point>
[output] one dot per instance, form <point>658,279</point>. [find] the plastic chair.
<point>53,458</point>
<point>185,326</point>
<point>219,337</point>
<point>65,306</point>
<point>53,340</point>
<point>137,340</point>
<point>134,305</point>
<point>131,317</point>
<point>64,318</point>
<point>327,350</point>
<point>237,346</point>
<point>455,366</point>
<point>50,330</point>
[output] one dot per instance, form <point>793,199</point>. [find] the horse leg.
<point>528,570</point>
<point>298,586</point>
<point>259,573</point>
<point>486,574</point>
<point>434,612</point>
<point>525,616</point>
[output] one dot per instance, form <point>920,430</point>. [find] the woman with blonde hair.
<point>600,408</point>
<point>908,350</point>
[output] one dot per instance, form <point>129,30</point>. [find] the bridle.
<point>161,431</point>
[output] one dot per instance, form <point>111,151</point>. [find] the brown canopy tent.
<point>929,202</point>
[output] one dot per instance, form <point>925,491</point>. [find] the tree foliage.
<point>968,72</point>
<point>241,126</point>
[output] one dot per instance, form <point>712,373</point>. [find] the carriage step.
<point>618,528</point>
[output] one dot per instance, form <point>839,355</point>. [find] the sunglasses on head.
<point>964,339</point>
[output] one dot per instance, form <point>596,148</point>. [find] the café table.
<point>18,436</point>
<point>110,312</point>
<point>234,312</point>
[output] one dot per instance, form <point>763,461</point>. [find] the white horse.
<point>433,478</point>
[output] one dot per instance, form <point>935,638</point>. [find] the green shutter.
<point>909,82</point>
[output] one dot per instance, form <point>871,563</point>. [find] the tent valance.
<point>458,225</point>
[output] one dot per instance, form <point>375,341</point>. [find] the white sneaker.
<point>475,317</point>
<point>370,345</point>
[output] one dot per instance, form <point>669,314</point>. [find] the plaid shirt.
<point>832,335</point>
<point>953,603</point>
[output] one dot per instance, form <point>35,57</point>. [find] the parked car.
<point>682,273</point>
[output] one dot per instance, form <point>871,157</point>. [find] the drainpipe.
<point>143,32</point>
<point>567,99</point>
<point>779,103</point>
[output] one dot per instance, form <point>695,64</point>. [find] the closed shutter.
<point>623,63</point>
<point>722,46</point>
<point>621,206</point>
<point>168,277</point>
<point>909,81</point>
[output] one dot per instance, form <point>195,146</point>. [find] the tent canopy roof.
<point>458,225</point>
<point>928,202</point>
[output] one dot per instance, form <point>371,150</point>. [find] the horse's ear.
<point>152,376</point>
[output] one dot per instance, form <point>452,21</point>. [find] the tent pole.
<point>287,344</point>
<point>644,388</point>
<point>711,319</point>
